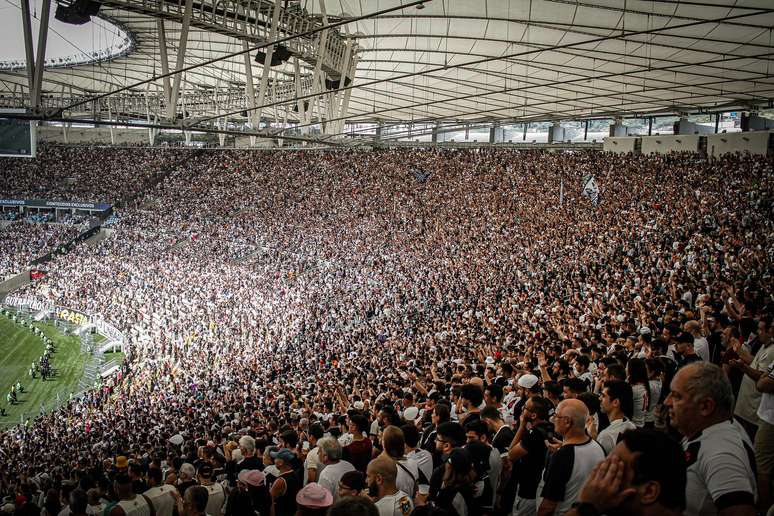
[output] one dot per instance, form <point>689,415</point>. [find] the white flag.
<point>590,189</point>
<point>561,192</point>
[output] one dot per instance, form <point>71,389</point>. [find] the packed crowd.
<point>85,174</point>
<point>320,329</point>
<point>22,242</point>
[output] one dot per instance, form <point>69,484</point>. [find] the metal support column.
<point>347,94</point>
<point>717,122</point>
<point>112,133</point>
<point>172,107</point>
<point>250,92</point>
<point>267,63</point>
<point>650,125</point>
<point>164,60</point>
<point>41,57</point>
<point>586,131</point>
<point>29,51</point>
<point>525,132</point>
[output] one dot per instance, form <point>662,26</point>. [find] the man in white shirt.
<point>618,403</point>
<point>394,445</point>
<point>718,452</point>
<point>312,464</point>
<point>160,494</point>
<point>700,344</point>
<point>423,458</point>
<point>764,438</point>
<point>216,496</point>
<point>380,479</point>
<point>330,455</point>
<point>749,398</point>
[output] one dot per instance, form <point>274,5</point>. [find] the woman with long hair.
<point>637,376</point>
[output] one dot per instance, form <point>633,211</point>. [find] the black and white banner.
<point>590,189</point>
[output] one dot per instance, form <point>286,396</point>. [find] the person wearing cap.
<point>250,496</point>
<point>381,476</point>
<point>159,493</point>
<point>313,500</point>
<point>284,489</point>
<point>684,351</point>
<point>121,464</point>
<point>529,386</point>
<point>216,496</point>
<point>331,455</point>
<point>129,503</point>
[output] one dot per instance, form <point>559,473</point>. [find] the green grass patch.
<point>19,347</point>
<point>114,355</point>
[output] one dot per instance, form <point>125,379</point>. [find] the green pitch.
<point>19,347</point>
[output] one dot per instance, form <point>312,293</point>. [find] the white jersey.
<point>216,498</point>
<point>162,499</point>
<point>720,469</point>
<point>398,504</point>
<point>135,507</point>
<point>408,475</point>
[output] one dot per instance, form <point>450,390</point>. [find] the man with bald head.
<point>721,478</point>
<point>380,478</point>
<point>570,466</point>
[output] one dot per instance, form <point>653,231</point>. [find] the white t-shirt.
<point>655,395</point>
<point>608,437</point>
<point>701,348</point>
<point>312,461</point>
<point>330,476</point>
<point>718,466</point>
<point>766,407</point>
<point>424,460</point>
<point>405,482</point>
<point>216,498</point>
<point>398,504</point>
<point>749,397</point>
<point>162,499</point>
<point>567,471</point>
<point>641,402</point>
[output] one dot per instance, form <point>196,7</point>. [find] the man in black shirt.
<point>472,397</point>
<point>502,435</point>
<point>449,436</point>
<point>528,453</point>
<point>685,352</point>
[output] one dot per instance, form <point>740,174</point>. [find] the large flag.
<point>590,189</point>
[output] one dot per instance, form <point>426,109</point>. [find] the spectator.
<point>335,466</point>
<point>571,464</point>
<point>617,403</point>
<point>718,453</point>
<point>644,475</point>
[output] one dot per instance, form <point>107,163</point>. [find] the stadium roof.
<point>508,60</point>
